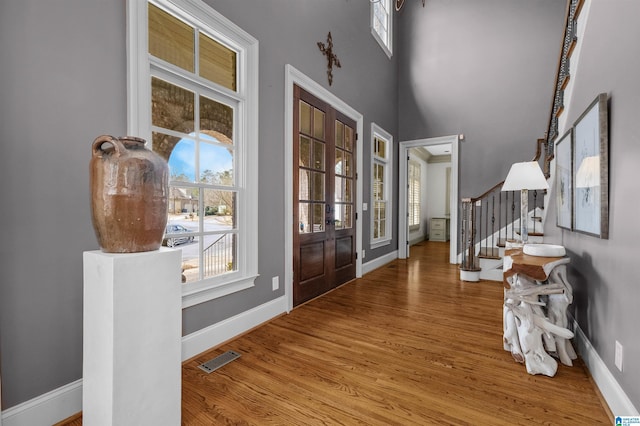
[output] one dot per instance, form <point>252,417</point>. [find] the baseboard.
<point>46,409</point>
<point>616,398</point>
<point>418,239</point>
<point>379,261</point>
<point>218,333</point>
<point>66,401</point>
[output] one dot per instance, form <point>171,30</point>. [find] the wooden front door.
<point>324,153</point>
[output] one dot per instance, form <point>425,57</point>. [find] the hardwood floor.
<point>407,344</point>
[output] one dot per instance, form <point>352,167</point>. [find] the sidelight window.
<point>381,182</point>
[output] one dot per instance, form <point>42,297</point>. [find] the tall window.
<point>381,24</point>
<point>414,194</point>
<point>196,101</point>
<point>381,187</point>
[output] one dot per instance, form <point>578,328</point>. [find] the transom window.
<point>381,186</point>
<point>381,24</point>
<point>200,113</point>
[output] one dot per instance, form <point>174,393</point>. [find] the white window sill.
<point>380,243</point>
<point>202,295</point>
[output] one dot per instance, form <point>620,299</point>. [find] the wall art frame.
<point>564,181</point>
<point>591,170</point>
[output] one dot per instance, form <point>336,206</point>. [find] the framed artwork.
<point>591,170</point>
<point>564,181</point>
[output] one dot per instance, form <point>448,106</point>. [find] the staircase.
<point>490,223</point>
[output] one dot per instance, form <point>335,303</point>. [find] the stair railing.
<point>218,257</point>
<point>492,219</point>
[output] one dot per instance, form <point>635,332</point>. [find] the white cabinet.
<point>439,229</point>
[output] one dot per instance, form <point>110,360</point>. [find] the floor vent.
<point>219,361</point>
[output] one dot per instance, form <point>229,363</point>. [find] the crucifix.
<point>332,59</point>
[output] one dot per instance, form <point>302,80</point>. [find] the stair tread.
<point>489,253</point>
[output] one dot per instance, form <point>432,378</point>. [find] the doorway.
<point>403,208</point>
<point>294,77</point>
<point>324,238</point>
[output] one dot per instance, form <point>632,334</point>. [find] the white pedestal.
<point>132,338</point>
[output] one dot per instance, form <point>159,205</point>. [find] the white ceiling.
<point>444,149</point>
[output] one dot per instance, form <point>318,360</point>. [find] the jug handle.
<point>97,145</point>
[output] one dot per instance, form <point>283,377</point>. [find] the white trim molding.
<point>295,77</point>
<point>223,331</point>
<point>46,409</point>
<point>65,401</point>
<point>403,234</point>
<point>379,262</point>
<point>616,398</point>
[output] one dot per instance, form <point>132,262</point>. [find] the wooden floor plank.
<point>407,344</point>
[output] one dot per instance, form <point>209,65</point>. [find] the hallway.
<point>407,344</point>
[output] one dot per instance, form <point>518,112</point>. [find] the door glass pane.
<point>318,186</point>
<point>216,120</point>
<point>318,217</point>
<point>304,185</point>
<point>219,254</point>
<point>219,210</point>
<point>305,118</point>
<point>339,216</point>
<point>339,164</point>
<point>304,219</point>
<point>347,157</point>
<point>172,106</point>
<point>339,189</point>
<point>171,39</point>
<point>347,190</point>
<point>217,62</point>
<point>339,134</point>
<point>318,155</point>
<point>348,138</point>
<point>348,216</point>
<point>182,156</point>
<point>305,151</point>
<point>318,124</point>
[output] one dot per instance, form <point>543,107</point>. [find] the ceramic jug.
<point>129,191</point>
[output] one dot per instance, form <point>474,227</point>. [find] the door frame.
<point>295,77</point>
<point>403,229</point>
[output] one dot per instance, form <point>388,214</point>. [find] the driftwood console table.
<point>536,297</point>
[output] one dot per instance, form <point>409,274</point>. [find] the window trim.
<point>139,64</point>
<point>380,133</point>
<point>386,45</point>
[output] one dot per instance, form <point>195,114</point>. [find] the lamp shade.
<point>527,175</point>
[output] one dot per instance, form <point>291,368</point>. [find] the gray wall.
<point>62,83</point>
<point>482,68</point>
<point>602,272</point>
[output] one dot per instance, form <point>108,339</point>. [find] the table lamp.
<point>523,177</point>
